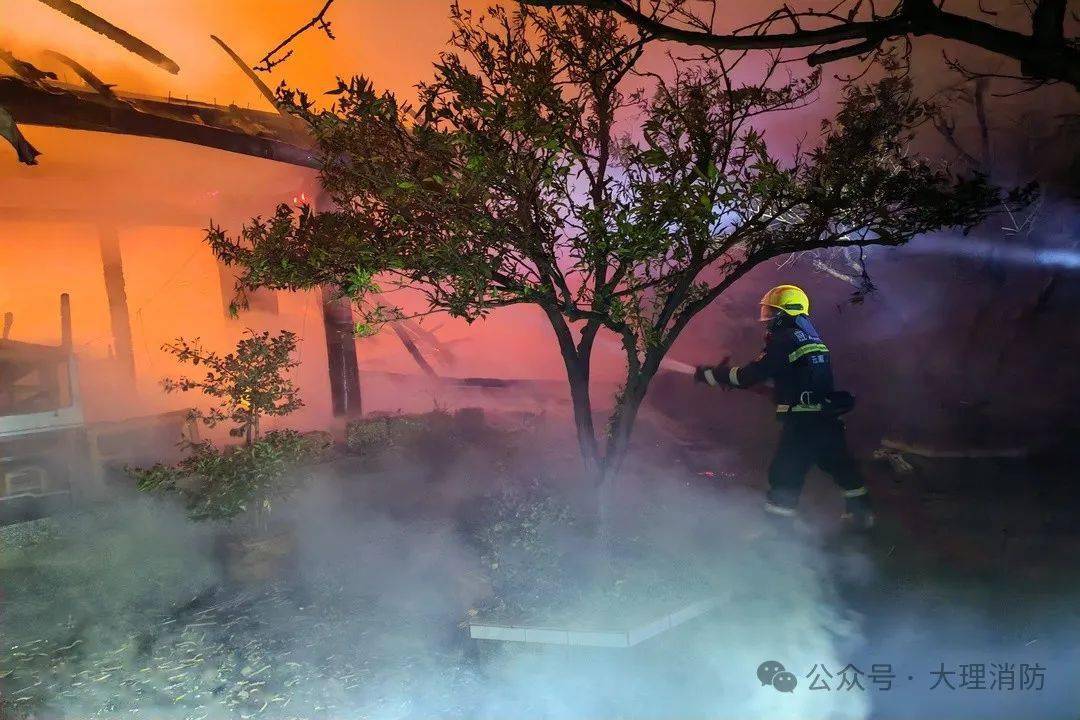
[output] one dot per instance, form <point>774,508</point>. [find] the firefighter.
<point>797,362</point>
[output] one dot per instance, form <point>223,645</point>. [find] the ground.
<point>124,610</point>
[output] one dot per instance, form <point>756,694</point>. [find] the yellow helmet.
<point>786,298</point>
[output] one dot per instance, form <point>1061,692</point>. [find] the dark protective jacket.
<point>794,358</point>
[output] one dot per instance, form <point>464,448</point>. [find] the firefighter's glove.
<point>719,379</point>
<point>718,374</point>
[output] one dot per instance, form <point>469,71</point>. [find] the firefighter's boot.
<point>858,514</point>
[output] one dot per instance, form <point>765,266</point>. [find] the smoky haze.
<point>367,625</point>
<point>158,197</point>
<point>967,342</point>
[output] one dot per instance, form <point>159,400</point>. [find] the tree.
<point>241,482</point>
<point>531,173</point>
<point>249,382</point>
<point>1044,50</point>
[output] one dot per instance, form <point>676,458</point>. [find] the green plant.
<point>414,434</point>
<point>249,382</point>
<point>242,480</point>
<point>545,166</point>
<point>371,436</point>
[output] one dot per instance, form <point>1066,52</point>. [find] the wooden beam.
<point>262,87</point>
<point>341,355</point>
<point>113,267</point>
<point>65,322</point>
<point>410,345</point>
<point>118,35</point>
<point>147,214</point>
<point>212,126</point>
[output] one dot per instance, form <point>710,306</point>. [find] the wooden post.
<point>115,291</point>
<point>341,355</point>
<point>65,321</point>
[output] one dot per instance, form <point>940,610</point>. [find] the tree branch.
<point>801,38</point>
<point>860,48</point>
<point>1044,55</point>
<point>268,62</point>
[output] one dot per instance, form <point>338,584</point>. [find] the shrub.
<point>248,383</point>
<point>227,483</point>
<point>371,436</point>
<point>526,538</point>
<point>431,437</point>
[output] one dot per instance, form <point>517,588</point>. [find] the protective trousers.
<point>808,439</point>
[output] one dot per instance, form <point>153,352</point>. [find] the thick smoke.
<point>366,623</point>
<point>967,343</point>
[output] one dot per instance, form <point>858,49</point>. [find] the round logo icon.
<point>767,671</point>
<point>784,681</point>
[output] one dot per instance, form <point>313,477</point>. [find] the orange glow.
<point>392,42</point>
<point>159,196</point>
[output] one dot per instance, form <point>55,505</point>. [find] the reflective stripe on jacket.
<point>794,358</point>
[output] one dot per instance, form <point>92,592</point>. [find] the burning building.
<point>115,212</point>
<point>396,565</point>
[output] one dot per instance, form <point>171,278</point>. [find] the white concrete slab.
<point>589,638</point>
<point>546,636</point>
<point>693,610</point>
<point>593,638</point>
<point>497,632</point>
<point>650,629</point>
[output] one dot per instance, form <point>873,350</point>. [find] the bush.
<point>320,443</point>
<point>526,538</point>
<point>370,437</point>
<point>248,383</point>
<point>431,437</point>
<point>226,483</point>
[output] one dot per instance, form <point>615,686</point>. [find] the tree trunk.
<point>583,421</point>
<point>600,470</point>
<point>577,357</point>
<point>591,462</point>
<point>620,430</point>
<point>251,430</point>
